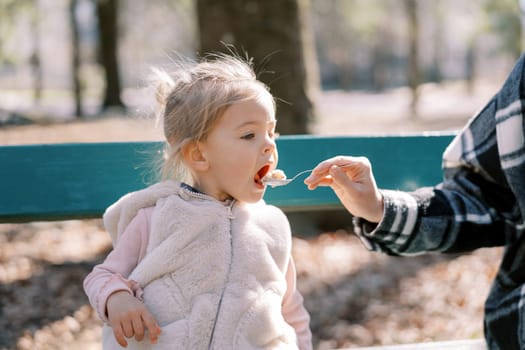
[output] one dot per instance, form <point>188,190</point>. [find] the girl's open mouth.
<point>260,174</point>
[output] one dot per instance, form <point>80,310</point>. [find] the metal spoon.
<point>281,182</point>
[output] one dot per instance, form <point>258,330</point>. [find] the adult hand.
<point>353,182</point>
<point>129,317</point>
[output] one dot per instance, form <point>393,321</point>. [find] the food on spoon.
<point>276,174</point>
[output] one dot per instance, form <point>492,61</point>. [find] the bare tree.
<point>107,14</point>
<point>413,71</point>
<point>75,58</point>
<point>436,72</point>
<point>274,33</point>
<point>34,59</point>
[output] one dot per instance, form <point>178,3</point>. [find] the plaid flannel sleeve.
<point>480,203</point>
<point>441,219</point>
<point>482,198</point>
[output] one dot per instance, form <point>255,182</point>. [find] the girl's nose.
<point>270,145</point>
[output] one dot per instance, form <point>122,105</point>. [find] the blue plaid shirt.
<point>480,203</point>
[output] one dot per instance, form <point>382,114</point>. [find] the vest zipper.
<point>230,217</point>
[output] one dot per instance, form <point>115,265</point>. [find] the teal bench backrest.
<point>66,181</point>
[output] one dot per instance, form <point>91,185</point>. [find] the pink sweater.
<point>111,276</point>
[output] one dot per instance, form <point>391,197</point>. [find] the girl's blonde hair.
<point>194,96</point>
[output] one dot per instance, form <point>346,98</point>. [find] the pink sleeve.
<point>294,311</point>
<point>111,275</point>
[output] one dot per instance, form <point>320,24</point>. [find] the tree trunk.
<point>107,13</point>
<point>413,73</point>
<point>380,59</point>
<point>34,60</point>
<point>274,34</point>
<point>75,56</point>
<point>436,73</point>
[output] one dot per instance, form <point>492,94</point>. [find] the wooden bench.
<point>76,181</point>
<point>79,180</point>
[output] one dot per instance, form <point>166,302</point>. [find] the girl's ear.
<point>194,157</point>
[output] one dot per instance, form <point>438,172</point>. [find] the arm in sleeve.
<point>111,275</point>
<point>463,213</point>
<point>294,312</point>
<point>477,203</point>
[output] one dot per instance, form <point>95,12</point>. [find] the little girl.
<point>199,260</point>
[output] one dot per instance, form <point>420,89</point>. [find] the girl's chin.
<point>253,197</point>
<point>249,194</point>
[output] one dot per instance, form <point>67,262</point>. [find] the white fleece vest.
<point>213,275</point>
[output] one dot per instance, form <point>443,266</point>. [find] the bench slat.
<point>62,181</point>
<point>68,181</point>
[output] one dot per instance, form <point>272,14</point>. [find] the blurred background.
<point>77,71</point>
<point>78,59</point>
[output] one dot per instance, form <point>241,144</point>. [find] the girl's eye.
<point>248,136</point>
